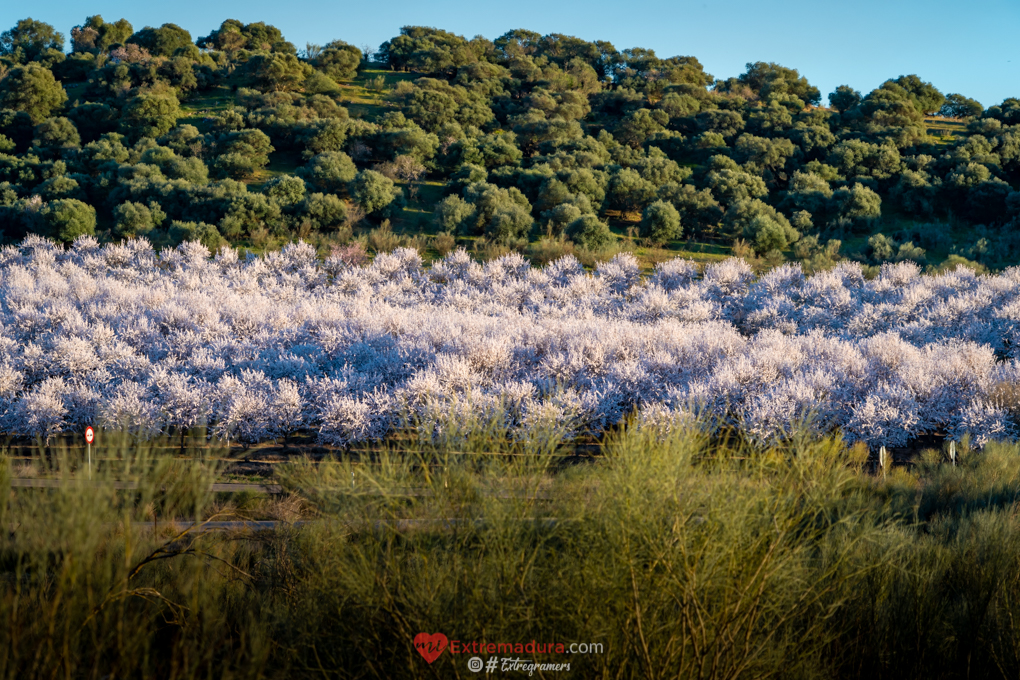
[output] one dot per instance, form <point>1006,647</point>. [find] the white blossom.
<point>260,347</point>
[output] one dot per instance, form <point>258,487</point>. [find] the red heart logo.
<point>430,646</point>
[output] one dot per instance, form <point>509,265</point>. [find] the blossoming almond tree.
<point>260,347</point>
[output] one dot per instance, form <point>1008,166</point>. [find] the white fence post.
<point>881,459</point>
<point>952,452</point>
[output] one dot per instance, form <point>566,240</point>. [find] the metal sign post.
<point>90,435</point>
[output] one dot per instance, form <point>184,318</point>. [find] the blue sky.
<point>969,47</point>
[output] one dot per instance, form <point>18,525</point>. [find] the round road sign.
<point>89,434</point>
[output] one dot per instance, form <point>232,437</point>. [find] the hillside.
<point>543,145</point>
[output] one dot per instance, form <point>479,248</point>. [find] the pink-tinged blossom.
<point>259,347</point>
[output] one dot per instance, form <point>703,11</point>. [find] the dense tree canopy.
<point>29,41</point>
<point>96,35</point>
<point>338,60</point>
<point>237,136</point>
<point>162,41</point>
<point>31,89</point>
<point>769,79</point>
<point>232,35</point>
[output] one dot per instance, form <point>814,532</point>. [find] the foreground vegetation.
<point>545,145</point>
<point>268,347</point>
<point>683,556</point>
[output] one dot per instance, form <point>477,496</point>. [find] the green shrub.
<point>67,219</point>
<point>588,231</point>
<point>207,234</point>
<point>374,192</point>
<point>661,223</point>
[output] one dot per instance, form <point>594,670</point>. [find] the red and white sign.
<point>90,436</point>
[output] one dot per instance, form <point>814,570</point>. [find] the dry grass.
<point>444,243</point>
<point>684,556</point>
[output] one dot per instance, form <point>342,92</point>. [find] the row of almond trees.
<point>260,347</point>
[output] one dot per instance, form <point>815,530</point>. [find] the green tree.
<point>338,60</point>
<point>661,222</point>
<point>67,219</point>
<point>499,210</point>
<point>812,138</point>
<point>588,231</point>
<point>908,251</point>
<point>726,123</point>
<point>149,114</point>
<point>856,204</point>
<point>1008,112</point>
<point>108,149</point>
<point>430,108</point>
<point>32,89</point>
<point>29,40</point>
<point>464,176</point>
<point>881,247</point>
<point>8,194</point>
<point>844,98</point>
<point>761,154</point>
<point>958,106</point>
<point>277,72</point>
<point>917,192</point>
<point>428,50</point>
<point>557,219</point>
<point>768,78</point>
<point>319,83</point>
<point>242,153</point>
<point>95,35</point>
<point>374,192</point>
<point>192,170</point>
<point>185,140</point>
<point>888,108</point>
<point>508,224</point>
<point>925,96</point>
<point>973,190</point>
<point>551,194</point>
<point>678,105</point>
<point>206,234</point>
<point>628,190</point>
<point>60,186</point>
<point>249,212</point>
<point>329,172</point>
<point>638,125</point>
<point>410,141</point>
<point>92,120</point>
<point>808,192</point>
<point>326,211</point>
<point>856,158</point>
<point>233,35</point>
<point>741,216</point>
<point>498,149</point>
<point>17,127</point>
<point>453,214</point>
<point>54,134</point>
<point>699,211</point>
<point>137,219</point>
<point>731,183</point>
<point>323,136</point>
<point>767,234</point>
<point>286,190</point>
<point>162,41</point>
<point>228,38</point>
